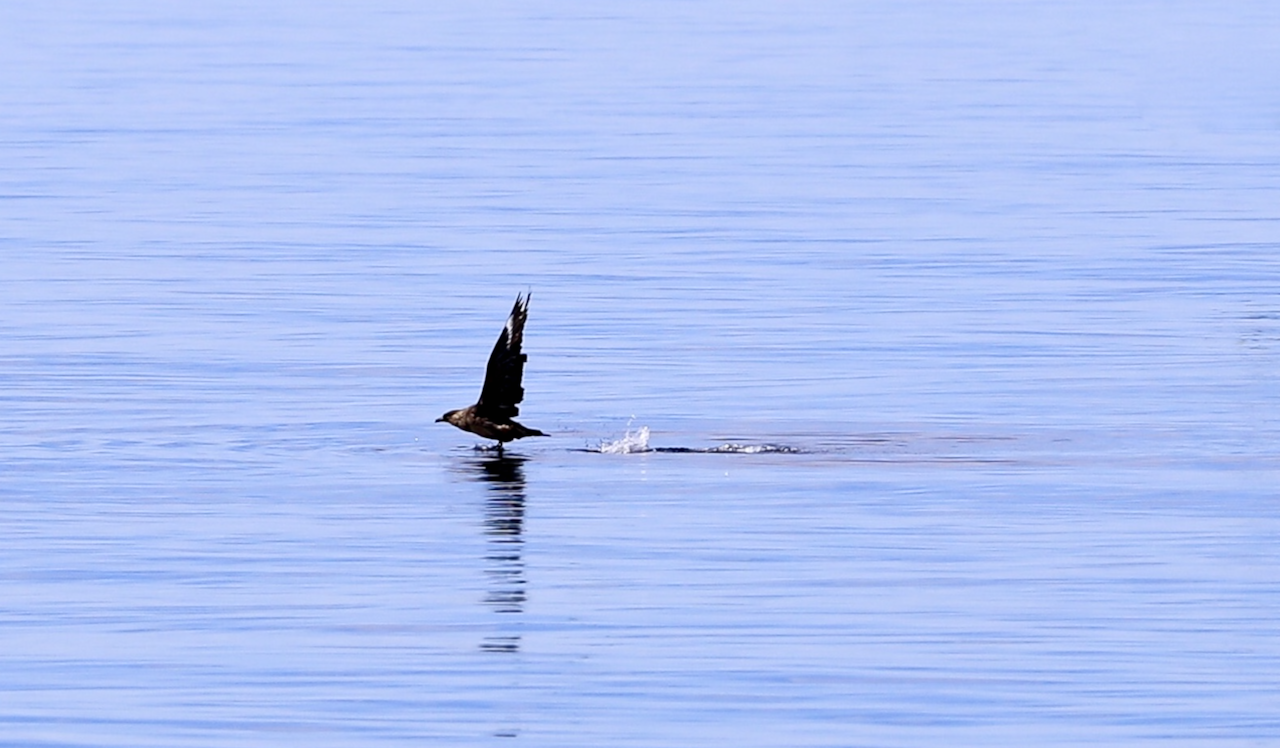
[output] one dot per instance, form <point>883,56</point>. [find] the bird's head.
<point>447,417</point>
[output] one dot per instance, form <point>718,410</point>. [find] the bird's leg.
<point>499,449</point>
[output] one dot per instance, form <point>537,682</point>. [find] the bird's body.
<point>506,430</point>
<point>492,417</point>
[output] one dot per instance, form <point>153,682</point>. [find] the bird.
<point>492,415</point>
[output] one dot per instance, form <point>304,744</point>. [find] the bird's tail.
<point>521,431</point>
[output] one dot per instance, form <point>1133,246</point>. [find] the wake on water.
<point>634,442</point>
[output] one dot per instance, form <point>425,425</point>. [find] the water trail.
<point>637,441</point>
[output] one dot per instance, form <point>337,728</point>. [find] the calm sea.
<point>913,371</point>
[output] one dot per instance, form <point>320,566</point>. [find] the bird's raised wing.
<point>502,389</point>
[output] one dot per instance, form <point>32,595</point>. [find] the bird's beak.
<point>440,419</point>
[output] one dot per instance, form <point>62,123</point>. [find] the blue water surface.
<point>952,331</point>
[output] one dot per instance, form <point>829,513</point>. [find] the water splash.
<point>630,443</point>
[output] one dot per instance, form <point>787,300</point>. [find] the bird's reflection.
<point>504,530</point>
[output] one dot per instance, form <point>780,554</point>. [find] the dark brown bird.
<point>491,416</point>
